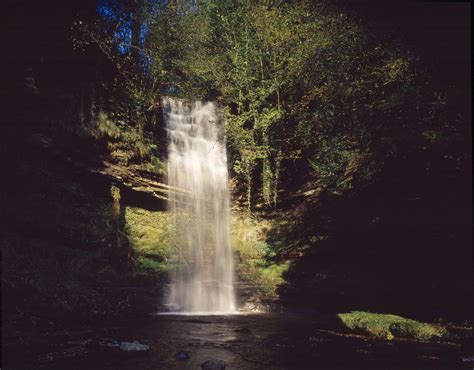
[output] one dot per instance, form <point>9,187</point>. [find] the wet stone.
<point>123,346</point>
<point>243,331</point>
<point>213,364</point>
<point>134,347</point>
<point>109,344</point>
<point>182,355</point>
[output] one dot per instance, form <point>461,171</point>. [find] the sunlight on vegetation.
<point>149,265</point>
<point>148,232</point>
<point>248,241</point>
<point>387,326</point>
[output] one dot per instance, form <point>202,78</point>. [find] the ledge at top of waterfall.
<point>203,274</point>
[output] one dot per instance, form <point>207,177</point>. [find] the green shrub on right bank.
<point>388,326</point>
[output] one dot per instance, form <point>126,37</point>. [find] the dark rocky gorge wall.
<point>394,247</point>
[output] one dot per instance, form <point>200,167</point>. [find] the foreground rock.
<point>134,347</point>
<point>126,347</point>
<point>182,355</point>
<point>213,364</point>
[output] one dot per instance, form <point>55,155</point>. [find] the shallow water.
<point>254,341</point>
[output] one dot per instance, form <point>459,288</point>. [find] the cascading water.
<point>199,201</point>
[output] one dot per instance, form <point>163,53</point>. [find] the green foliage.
<point>126,110</point>
<point>149,266</point>
<point>249,243</point>
<point>304,81</point>
<point>391,326</point>
<point>298,82</point>
<point>105,127</point>
<point>248,237</point>
<point>156,165</point>
<point>333,159</point>
<point>272,276</point>
<point>148,231</point>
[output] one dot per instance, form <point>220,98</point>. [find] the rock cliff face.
<point>399,244</point>
<point>107,168</point>
<point>66,240</point>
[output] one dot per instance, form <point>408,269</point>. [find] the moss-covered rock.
<point>388,326</point>
<point>150,266</point>
<point>257,277</point>
<point>150,235</point>
<point>148,231</point>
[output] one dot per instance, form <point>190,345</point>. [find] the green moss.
<point>155,165</point>
<point>149,266</point>
<point>148,231</point>
<point>390,326</point>
<point>272,276</point>
<point>248,237</point>
<point>249,242</point>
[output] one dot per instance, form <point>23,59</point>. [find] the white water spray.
<point>202,281</point>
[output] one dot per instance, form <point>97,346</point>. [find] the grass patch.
<point>252,251</point>
<point>272,276</point>
<point>388,326</point>
<point>149,266</point>
<point>248,237</point>
<point>148,231</point>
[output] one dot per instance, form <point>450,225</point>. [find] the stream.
<point>246,341</point>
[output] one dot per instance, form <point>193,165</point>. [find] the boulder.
<point>213,364</point>
<point>134,347</point>
<point>182,355</point>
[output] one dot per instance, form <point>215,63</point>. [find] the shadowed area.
<point>269,341</point>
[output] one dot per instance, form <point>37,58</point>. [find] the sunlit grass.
<point>148,231</point>
<point>388,326</point>
<point>149,265</point>
<point>249,243</point>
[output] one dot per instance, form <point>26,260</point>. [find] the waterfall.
<point>202,280</point>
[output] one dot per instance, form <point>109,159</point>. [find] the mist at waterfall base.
<point>199,201</point>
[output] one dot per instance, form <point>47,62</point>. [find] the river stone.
<point>182,355</point>
<point>243,331</point>
<point>213,364</point>
<point>255,307</point>
<point>134,347</point>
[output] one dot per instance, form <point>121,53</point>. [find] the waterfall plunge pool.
<point>242,341</point>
